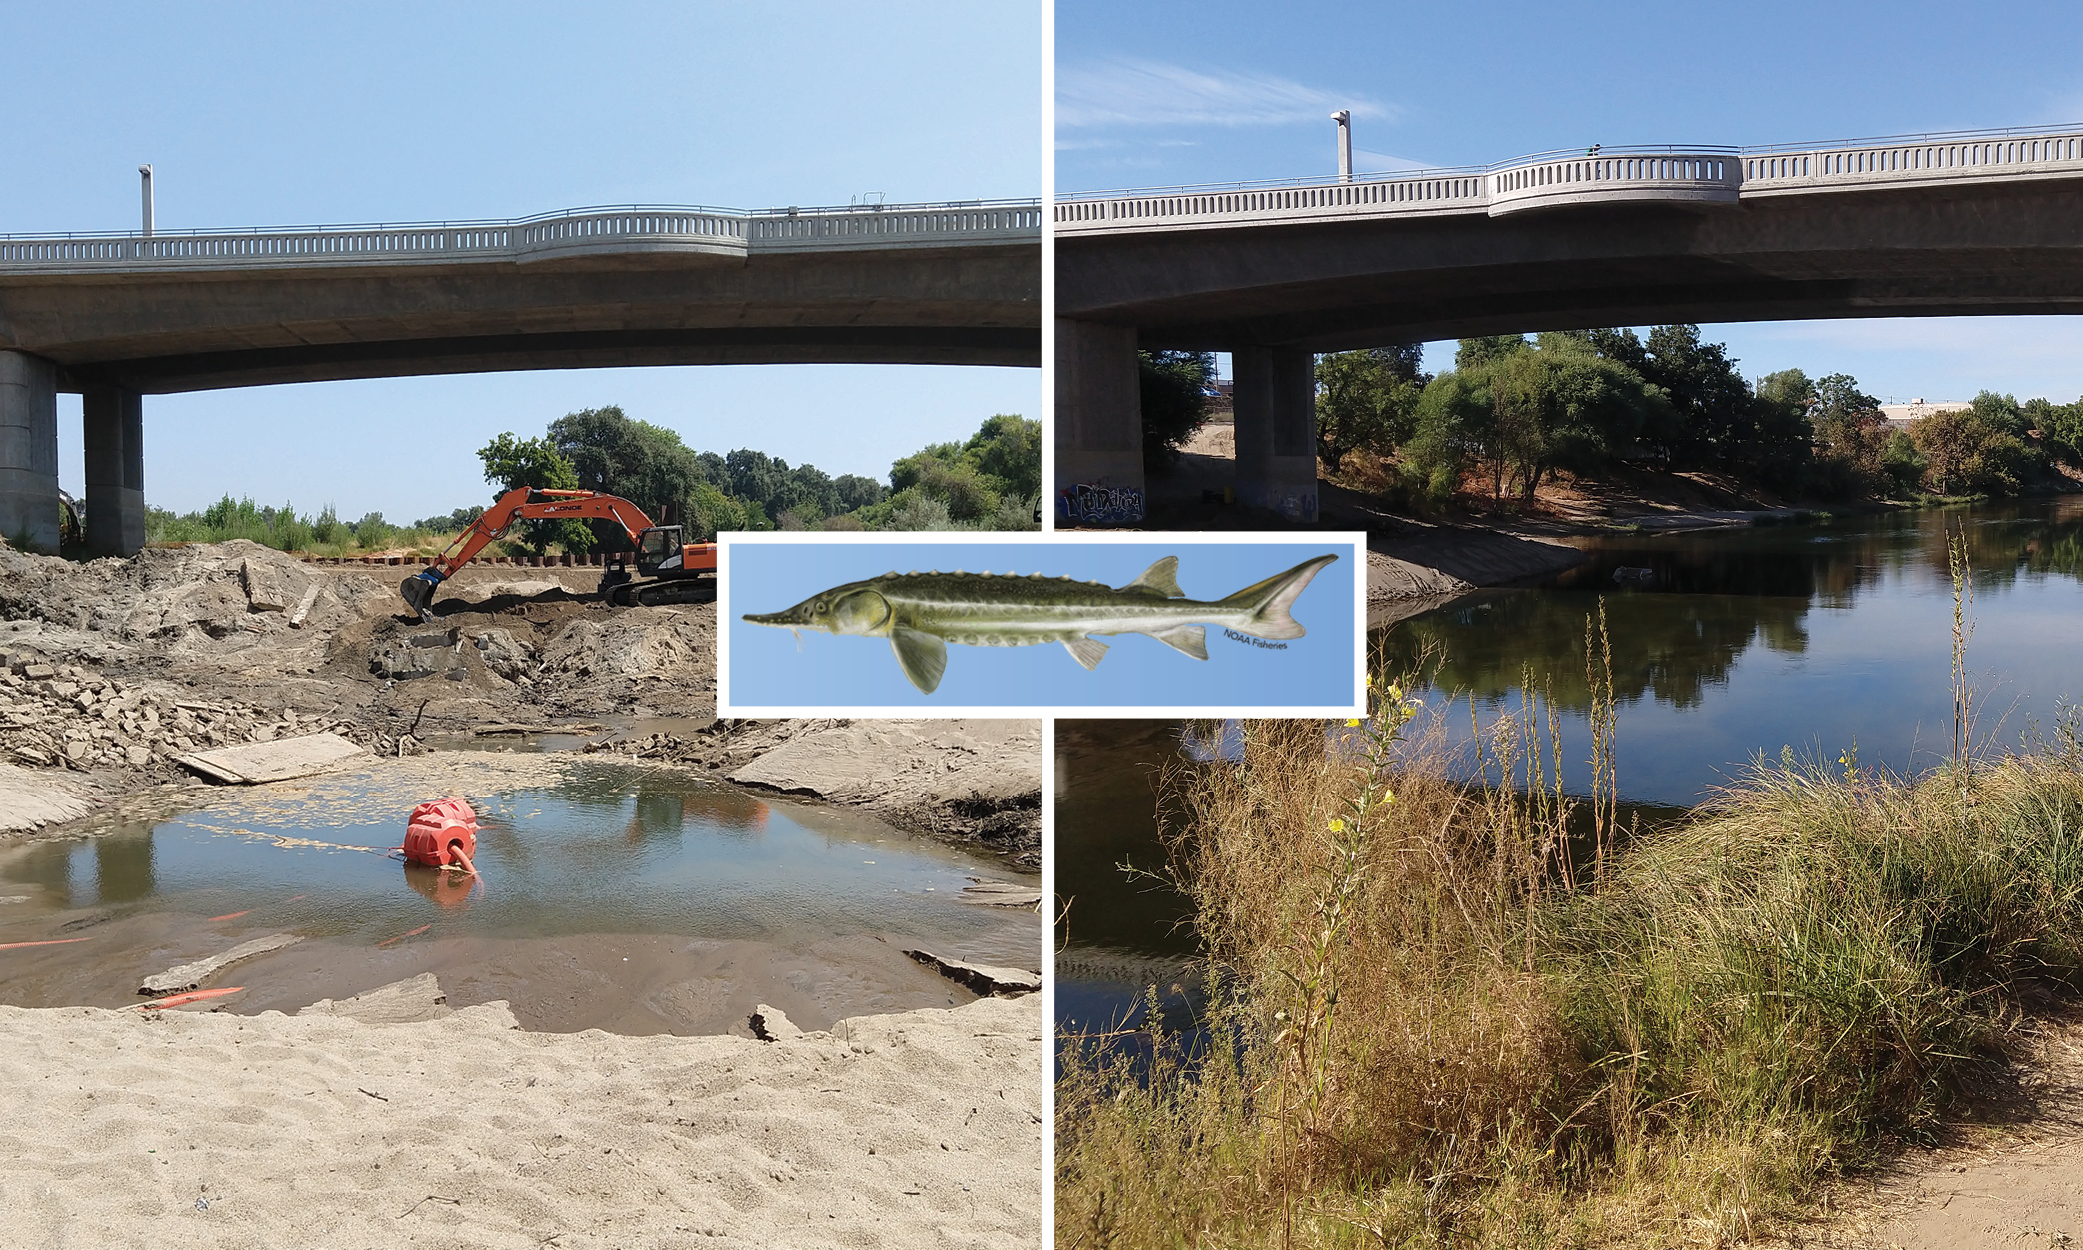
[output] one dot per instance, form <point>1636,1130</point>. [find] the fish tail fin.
<point>1269,601</point>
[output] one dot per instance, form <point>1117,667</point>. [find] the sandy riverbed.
<point>921,1129</point>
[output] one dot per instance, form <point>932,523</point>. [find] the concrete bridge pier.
<point>1276,429</point>
<point>29,451</point>
<point>114,421</point>
<point>1099,424</point>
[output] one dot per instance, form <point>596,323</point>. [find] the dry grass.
<point>1435,1023</point>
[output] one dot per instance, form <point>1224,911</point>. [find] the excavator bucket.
<point>419,593</point>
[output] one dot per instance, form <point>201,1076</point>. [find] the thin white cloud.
<point>1127,92</point>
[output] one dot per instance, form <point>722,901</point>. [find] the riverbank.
<point>1709,1027</point>
<point>221,1130</point>
<point>111,668</point>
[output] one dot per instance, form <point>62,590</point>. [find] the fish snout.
<point>793,618</point>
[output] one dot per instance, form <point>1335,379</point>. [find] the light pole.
<point>145,173</point>
<point>1344,118</point>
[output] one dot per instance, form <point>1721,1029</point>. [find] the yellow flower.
<point>1352,724</point>
<point>1396,693</point>
<point>1337,825</point>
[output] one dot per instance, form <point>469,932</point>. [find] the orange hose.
<point>8,946</point>
<point>194,996</point>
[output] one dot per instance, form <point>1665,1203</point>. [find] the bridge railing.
<point>1702,174</point>
<point>1608,175</point>
<point>1913,159</point>
<point>1254,203</point>
<point>572,232</point>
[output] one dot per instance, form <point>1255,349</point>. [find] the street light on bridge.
<point>1344,118</point>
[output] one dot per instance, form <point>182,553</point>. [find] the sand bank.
<point>911,1130</point>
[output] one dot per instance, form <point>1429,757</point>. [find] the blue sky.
<point>1165,93</point>
<point>263,114</point>
<point>769,669</point>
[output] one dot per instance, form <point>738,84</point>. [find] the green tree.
<point>512,462</point>
<point>1008,452</point>
<point>646,464</point>
<point>1971,451</point>
<point>1366,399</point>
<point>1454,422</point>
<point>1173,388</point>
<point>1482,351</point>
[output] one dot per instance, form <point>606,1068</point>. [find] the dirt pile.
<point>235,606</point>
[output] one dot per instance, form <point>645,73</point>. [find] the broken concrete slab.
<point>1001,894</point>
<point>281,760</point>
<point>190,975</point>
<point>983,978</point>
<point>401,1002</point>
<point>271,585</point>
<point>30,800</point>
<point>769,1025</point>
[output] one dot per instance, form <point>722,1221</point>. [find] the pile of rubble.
<point>65,716</point>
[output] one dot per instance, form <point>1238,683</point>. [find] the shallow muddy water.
<point>1727,646</point>
<point>587,865</point>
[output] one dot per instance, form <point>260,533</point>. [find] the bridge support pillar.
<point>1099,424</point>
<point>29,451</point>
<point>1276,429</point>
<point>114,421</point>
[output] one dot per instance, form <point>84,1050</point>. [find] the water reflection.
<point>447,890</point>
<point>614,848</point>
<point>1730,644</point>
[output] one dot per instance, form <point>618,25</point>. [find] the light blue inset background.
<point>767,669</point>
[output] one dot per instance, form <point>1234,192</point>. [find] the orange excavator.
<point>670,568</point>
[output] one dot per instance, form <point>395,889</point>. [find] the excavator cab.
<point>659,551</point>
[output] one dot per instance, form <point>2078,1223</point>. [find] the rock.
<point>39,672</point>
<point>272,761</point>
<point>1002,894</point>
<point>769,1025</point>
<point>504,654</point>
<point>271,586</point>
<point>189,975</point>
<point>983,978</point>
<point>401,1002</point>
<point>138,756</point>
<point>32,800</point>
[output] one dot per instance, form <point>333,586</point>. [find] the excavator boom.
<point>528,503</point>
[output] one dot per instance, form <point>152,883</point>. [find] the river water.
<point>620,879</point>
<point>1727,645</point>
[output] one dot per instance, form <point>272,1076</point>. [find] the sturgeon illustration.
<point>920,613</point>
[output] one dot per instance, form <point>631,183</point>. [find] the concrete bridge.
<point>1981,222</point>
<point>116,317</point>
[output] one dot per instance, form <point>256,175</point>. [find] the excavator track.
<point>665,592</point>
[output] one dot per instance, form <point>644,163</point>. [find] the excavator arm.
<point>523,503</point>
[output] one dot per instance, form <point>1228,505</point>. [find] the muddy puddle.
<point>616,896</point>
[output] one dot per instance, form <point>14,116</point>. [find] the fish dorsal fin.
<point>1162,577</point>
<point>1191,639</point>
<point>922,656</point>
<point>1086,651</point>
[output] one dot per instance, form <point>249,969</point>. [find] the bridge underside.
<point>117,336</point>
<point>576,349</point>
<point>1948,251</point>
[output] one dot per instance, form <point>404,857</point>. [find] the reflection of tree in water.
<point>123,867</point>
<point>1670,646</point>
<point>1708,597</point>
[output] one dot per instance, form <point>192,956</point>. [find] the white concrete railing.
<point>1915,160</point>
<point>719,232</point>
<point>1699,175</point>
<point>1603,177</point>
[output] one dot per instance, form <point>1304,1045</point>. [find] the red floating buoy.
<point>442,833</point>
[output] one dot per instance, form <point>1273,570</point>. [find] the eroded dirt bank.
<point>110,668</point>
